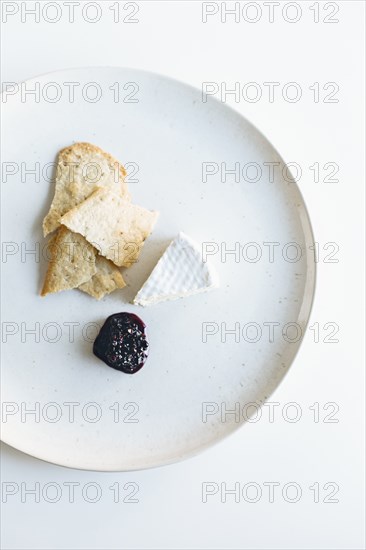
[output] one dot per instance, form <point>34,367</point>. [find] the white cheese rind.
<point>180,272</point>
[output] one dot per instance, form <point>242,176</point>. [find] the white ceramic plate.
<point>172,407</point>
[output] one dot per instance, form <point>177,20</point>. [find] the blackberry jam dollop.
<point>121,342</point>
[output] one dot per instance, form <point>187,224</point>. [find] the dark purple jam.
<point>121,343</point>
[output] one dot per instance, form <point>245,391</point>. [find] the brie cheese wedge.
<point>180,272</point>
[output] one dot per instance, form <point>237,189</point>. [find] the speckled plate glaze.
<point>207,352</point>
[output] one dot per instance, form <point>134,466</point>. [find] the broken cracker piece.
<point>81,169</point>
<point>107,279</point>
<point>72,262</point>
<point>113,225</point>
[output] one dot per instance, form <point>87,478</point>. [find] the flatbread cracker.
<point>72,262</point>
<point>107,279</point>
<point>113,225</point>
<point>81,169</point>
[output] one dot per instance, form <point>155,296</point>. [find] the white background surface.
<point>171,38</point>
